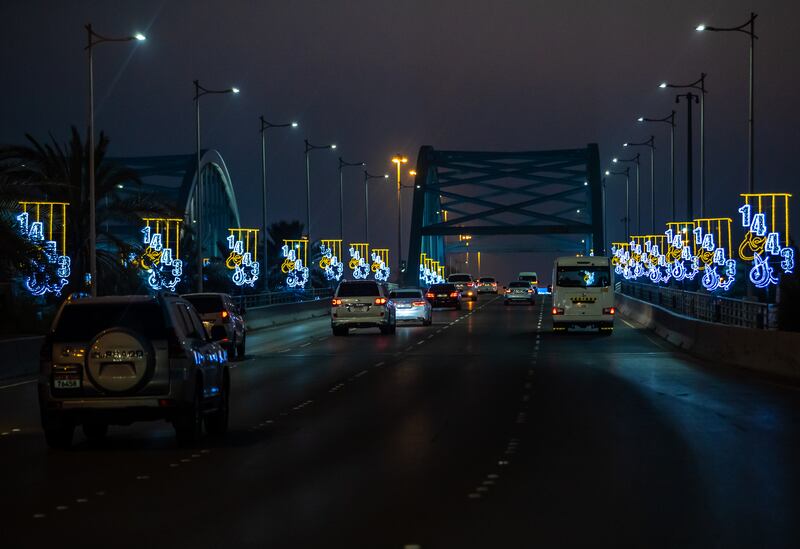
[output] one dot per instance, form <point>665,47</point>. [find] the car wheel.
<point>231,350</point>
<point>58,433</point>
<point>189,423</point>
<point>340,330</point>
<point>95,432</point>
<point>217,421</point>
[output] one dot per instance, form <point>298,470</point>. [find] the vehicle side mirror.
<point>218,333</point>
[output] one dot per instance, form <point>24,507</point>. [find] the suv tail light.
<point>508,290</point>
<point>336,302</point>
<point>453,294</point>
<point>380,301</point>
<point>470,284</point>
<point>558,311</point>
<point>609,311</point>
<point>430,295</point>
<point>418,303</point>
<point>530,291</point>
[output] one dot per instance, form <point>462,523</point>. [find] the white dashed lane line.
<point>17,384</point>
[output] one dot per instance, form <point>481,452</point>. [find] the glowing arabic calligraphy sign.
<point>243,256</point>
<point>359,252</point>
<point>766,218</point>
<point>330,262</point>
<point>160,259</point>
<point>380,264</point>
<point>50,219</point>
<point>295,257</point>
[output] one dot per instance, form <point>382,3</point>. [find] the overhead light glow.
<point>700,27</point>
<point>295,124</point>
<point>662,85</point>
<point>140,37</point>
<point>640,119</point>
<point>235,90</point>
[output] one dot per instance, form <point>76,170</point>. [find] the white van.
<point>531,278</point>
<point>583,293</point>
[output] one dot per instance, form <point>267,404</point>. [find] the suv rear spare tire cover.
<point>119,361</point>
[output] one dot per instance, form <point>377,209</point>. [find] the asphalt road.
<point>483,430</point>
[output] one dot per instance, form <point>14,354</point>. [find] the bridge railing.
<point>712,308</point>
<point>286,296</point>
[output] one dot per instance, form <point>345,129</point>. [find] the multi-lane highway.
<point>484,430</point>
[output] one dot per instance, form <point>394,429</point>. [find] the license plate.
<point>67,383</point>
<point>441,295</point>
<point>403,306</point>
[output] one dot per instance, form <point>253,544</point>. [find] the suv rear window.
<point>82,322</point>
<point>401,294</point>
<point>486,279</point>
<point>358,289</point>
<point>529,278</point>
<point>519,284</point>
<point>459,278</point>
<point>206,303</point>
<point>442,288</point>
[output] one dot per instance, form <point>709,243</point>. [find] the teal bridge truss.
<point>552,198</point>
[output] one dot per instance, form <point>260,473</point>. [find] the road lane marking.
<point>378,365</point>
<point>305,344</point>
<point>17,384</point>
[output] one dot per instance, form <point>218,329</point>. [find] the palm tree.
<point>58,173</point>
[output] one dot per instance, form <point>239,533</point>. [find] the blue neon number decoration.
<point>332,267</point>
<point>164,272</point>
<point>245,270</point>
<point>764,242</point>
<point>51,275</point>
<point>380,268</point>
<point>296,273</point>
<point>358,265</point>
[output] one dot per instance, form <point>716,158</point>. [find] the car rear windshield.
<point>406,294</point>
<point>358,289</point>
<point>459,278</point>
<point>82,322</point>
<point>486,279</point>
<point>519,284</point>
<point>583,277</point>
<point>443,288</point>
<point>528,278</point>
<point>206,304</point>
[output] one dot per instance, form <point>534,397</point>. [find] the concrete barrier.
<point>19,357</point>
<point>769,351</point>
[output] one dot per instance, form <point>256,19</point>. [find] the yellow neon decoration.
<point>300,247</point>
<point>335,245</point>
<point>249,239</point>
<point>363,251</point>
<point>52,219</point>
<point>769,203</point>
<point>383,253</point>
<point>685,229</point>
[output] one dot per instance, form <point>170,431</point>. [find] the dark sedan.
<point>444,295</point>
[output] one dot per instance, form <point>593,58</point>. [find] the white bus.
<point>583,293</point>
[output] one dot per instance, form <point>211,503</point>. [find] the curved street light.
<point>93,39</point>
<point>649,143</point>
<point>671,121</point>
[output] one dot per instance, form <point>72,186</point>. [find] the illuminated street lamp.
<point>399,160</point>
<point>92,40</point>
<point>342,165</point>
<point>309,148</point>
<point>748,28</point>
<point>367,177</point>
<point>200,91</point>
<point>264,127</point>
<point>671,121</point>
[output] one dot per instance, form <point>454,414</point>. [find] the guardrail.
<point>287,296</point>
<point>702,306</point>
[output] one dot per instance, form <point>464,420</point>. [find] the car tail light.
<point>558,311</point>
<point>530,291</point>
<point>453,294</point>
<point>336,302</point>
<point>430,295</point>
<point>418,303</point>
<point>224,314</point>
<point>609,311</point>
<point>508,290</point>
<point>494,284</point>
<point>470,284</point>
<point>380,301</point>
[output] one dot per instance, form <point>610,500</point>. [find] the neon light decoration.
<point>330,261</point>
<point>713,242</point>
<point>241,260</point>
<point>295,254</point>
<point>766,217</point>
<point>51,275</point>
<point>380,262</point>
<point>359,252</point>
<point>159,260</point>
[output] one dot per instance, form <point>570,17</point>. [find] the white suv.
<point>362,304</point>
<point>116,360</point>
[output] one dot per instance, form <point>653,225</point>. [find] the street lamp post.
<point>399,160</point>
<point>699,85</point>
<point>748,28</point>
<point>309,148</point>
<point>264,127</point>
<point>367,177</point>
<point>635,160</point>
<point>200,91</point>
<point>671,121</point>
<point>626,173</point>
<point>342,165</point>
<point>689,96</point>
<point>649,143</point>
<point>92,40</point>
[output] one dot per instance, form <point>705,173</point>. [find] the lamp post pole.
<point>399,160</point>
<point>367,177</point>
<point>671,121</point>
<point>309,148</point>
<point>748,28</point>
<point>649,143</point>
<point>92,40</point>
<point>342,165</point>
<point>626,173</point>
<point>635,160</point>
<point>264,127</point>
<point>690,97</point>
<point>200,91</point>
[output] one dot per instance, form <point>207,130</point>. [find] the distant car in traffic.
<point>487,285</point>
<point>519,291</point>
<point>532,278</point>
<point>411,306</point>
<point>444,295</point>
<point>217,309</point>
<point>119,359</point>
<point>465,285</point>
<point>362,304</point>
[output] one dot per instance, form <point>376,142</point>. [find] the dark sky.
<point>380,76</point>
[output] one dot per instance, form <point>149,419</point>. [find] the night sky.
<point>378,77</point>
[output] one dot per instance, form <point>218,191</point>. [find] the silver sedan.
<point>411,306</point>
